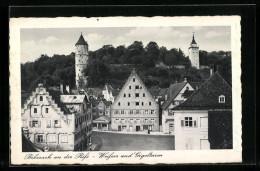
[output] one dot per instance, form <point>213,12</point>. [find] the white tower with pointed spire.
<point>81,61</point>
<point>194,54</point>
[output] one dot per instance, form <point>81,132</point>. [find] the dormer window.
<point>133,79</point>
<point>221,99</point>
<point>41,98</point>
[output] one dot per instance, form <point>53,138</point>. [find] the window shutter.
<point>182,123</point>
<point>195,122</point>
<point>30,123</point>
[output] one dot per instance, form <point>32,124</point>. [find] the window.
<point>48,123</point>
<point>129,95</point>
<point>143,94</point>
<point>152,111</point>
<point>40,139</point>
<point>137,111</point>
<point>35,110</point>
<point>129,87</point>
<point>137,103</point>
<point>57,124</point>
<point>133,79</point>
<point>131,111</point>
<point>46,110</point>
<point>35,124</point>
<point>124,95</point>
<point>118,103</point>
<point>128,103</point>
<point>136,87</point>
<point>41,98</point>
<point>150,103</point>
<point>131,120</point>
<point>152,120</point>
<point>116,112</point>
<point>116,120</point>
<point>221,99</point>
<point>140,87</point>
<point>171,127</point>
<point>146,120</point>
<point>122,112</point>
<point>124,127</point>
<point>52,138</point>
<point>64,138</point>
<point>136,94</point>
<point>142,103</point>
<point>146,112</point>
<point>187,122</point>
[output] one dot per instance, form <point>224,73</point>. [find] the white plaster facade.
<point>134,109</point>
<point>167,114</point>
<point>47,126</point>
<point>107,92</point>
<point>191,130</point>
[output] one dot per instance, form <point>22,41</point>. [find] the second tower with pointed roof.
<point>194,54</point>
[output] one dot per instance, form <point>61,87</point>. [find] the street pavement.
<point>111,141</point>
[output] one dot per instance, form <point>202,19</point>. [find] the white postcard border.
<point>168,157</point>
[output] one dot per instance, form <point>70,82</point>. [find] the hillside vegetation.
<point>113,65</point>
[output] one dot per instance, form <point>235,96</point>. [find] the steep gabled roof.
<point>107,103</point>
<point>175,89</point>
<point>196,85</point>
<point>207,96</point>
<point>134,74</point>
<point>56,97</point>
<point>81,41</point>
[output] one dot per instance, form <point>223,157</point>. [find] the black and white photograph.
<point>144,89</point>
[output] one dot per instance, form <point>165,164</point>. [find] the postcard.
<point>125,90</point>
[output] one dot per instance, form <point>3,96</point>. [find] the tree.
<point>170,59</point>
<point>152,51</point>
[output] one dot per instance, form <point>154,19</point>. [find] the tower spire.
<point>193,40</point>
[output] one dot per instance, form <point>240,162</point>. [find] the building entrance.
<point>137,128</point>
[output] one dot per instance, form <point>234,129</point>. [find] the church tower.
<point>81,61</point>
<point>194,54</point>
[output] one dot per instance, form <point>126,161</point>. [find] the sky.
<point>50,41</point>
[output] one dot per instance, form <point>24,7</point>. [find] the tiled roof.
<point>56,97</point>
<point>107,103</point>
<point>175,89</point>
<point>102,119</point>
<point>207,96</point>
<point>81,41</point>
<point>72,98</point>
<point>154,92</point>
<point>93,101</point>
<point>195,85</point>
<point>163,91</point>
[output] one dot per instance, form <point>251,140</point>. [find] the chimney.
<point>133,72</point>
<point>211,72</point>
<point>61,88</point>
<point>185,79</point>
<point>68,88</point>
